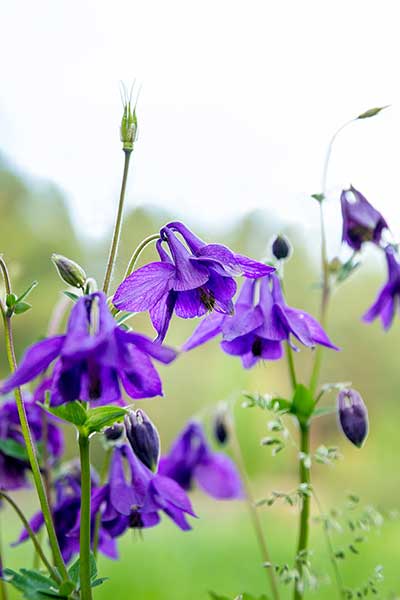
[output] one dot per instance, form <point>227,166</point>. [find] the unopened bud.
<point>281,248</point>
<point>128,130</point>
<point>353,416</point>
<point>143,438</point>
<point>221,428</point>
<point>69,271</point>
<point>114,433</point>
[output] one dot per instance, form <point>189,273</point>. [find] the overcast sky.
<point>238,102</point>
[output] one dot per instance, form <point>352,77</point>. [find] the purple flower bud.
<point>69,271</point>
<point>143,438</point>
<point>220,428</point>
<point>281,248</point>
<point>361,221</point>
<point>353,416</point>
<point>114,433</point>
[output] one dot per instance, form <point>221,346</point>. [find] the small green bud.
<point>129,125</point>
<point>69,271</point>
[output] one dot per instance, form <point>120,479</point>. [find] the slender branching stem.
<point>117,228</point>
<point>3,587</point>
<point>39,551</point>
<point>132,263</point>
<point>84,554</point>
<point>305,479</point>
<point>30,447</point>
<point>103,477</point>
<point>292,370</point>
<point>254,514</point>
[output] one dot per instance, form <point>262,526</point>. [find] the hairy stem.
<point>305,478</point>
<point>117,227</point>
<point>30,447</point>
<point>103,477</point>
<point>254,514</point>
<point>84,555</point>
<point>32,535</point>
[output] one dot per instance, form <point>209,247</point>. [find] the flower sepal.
<point>303,404</point>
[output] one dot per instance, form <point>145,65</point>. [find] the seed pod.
<point>69,271</point>
<point>353,416</point>
<point>143,438</point>
<point>281,248</point>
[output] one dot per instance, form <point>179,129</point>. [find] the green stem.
<point>132,263</point>
<point>117,227</point>
<point>35,541</point>
<point>254,514</point>
<point>305,478</point>
<point>30,447</point>
<point>103,476</point>
<point>292,370</point>
<point>84,555</point>
<point>3,587</point>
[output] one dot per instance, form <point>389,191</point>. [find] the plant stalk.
<point>305,478</point>
<point>118,224</point>
<point>103,476</point>
<point>84,539</point>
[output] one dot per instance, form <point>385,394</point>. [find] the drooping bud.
<point>353,416</point>
<point>114,433</point>
<point>143,438</point>
<point>281,248</point>
<point>69,271</point>
<point>221,427</point>
<point>361,221</point>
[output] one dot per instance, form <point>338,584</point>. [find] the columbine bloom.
<point>191,460</point>
<point>353,416</point>
<point>388,297</point>
<point>361,221</point>
<point>259,326</point>
<point>93,357</point>
<point>136,503</point>
<point>191,279</point>
<point>66,514</point>
<point>13,471</point>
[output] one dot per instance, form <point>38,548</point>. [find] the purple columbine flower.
<point>353,416</point>
<point>66,514</point>
<point>13,471</point>
<point>388,297</point>
<point>136,503</point>
<point>191,279</point>
<point>93,357</point>
<point>361,221</point>
<point>191,460</point>
<point>260,325</point>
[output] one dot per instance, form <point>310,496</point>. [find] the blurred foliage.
<point>35,223</point>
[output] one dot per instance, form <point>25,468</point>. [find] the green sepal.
<point>71,295</point>
<point>303,403</point>
<point>11,299</point>
<point>318,197</point>
<point>12,448</point>
<point>22,307</point>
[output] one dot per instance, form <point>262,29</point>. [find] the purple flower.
<point>259,326</point>
<point>13,471</point>
<point>353,416</point>
<point>361,221</point>
<point>137,502</point>
<point>93,357</point>
<point>388,297</point>
<point>66,514</point>
<point>192,460</point>
<point>190,279</point>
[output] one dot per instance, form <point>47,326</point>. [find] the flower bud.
<point>281,248</point>
<point>221,428</point>
<point>128,129</point>
<point>69,271</point>
<point>114,433</point>
<point>143,438</point>
<point>353,416</point>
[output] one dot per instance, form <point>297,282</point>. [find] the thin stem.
<point>338,577</point>
<point>32,535</point>
<point>117,227</point>
<point>103,476</point>
<point>254,514</point>
<point>84,555</point>
<point>292,369</point>
<point>138,251</point>
<point>305,478</point>
<point>3,587</point>
<point>30,447</point>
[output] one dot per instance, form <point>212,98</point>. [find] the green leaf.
<point>302,403</point>
<point>250,597</point>
<point>266,402</point>
<point>22,307</point>
<point>99,581</point>
<point>318,197</point>
<point>371,112</point>
<point>103,416</point>
<point>72,412</point>
<point>11,300</point>
<point>14,449</point>
<point>33,584</point>
<point>27,291</point>
<point>71,296</point>
<point>73,572</point>
<point>324,410</point>
<point>215,596</point>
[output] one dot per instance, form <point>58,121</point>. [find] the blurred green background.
<point>220,553</point>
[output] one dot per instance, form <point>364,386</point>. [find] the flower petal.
<point>161,314</point>
<point>208,328</point>
<point>218,476</point>
<point>252,268</point>
<point>142,379</point>
<point>188,276</point>
<point>164,354</point>
<point>144,287</point>
<point>122,494</point>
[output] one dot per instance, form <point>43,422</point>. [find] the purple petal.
<point>245,320</point>
<point>384,297</point>
<point>315,331</point>
<point>238,346</point>
<point>246,294</point>
<point>194,242</point>
<point>161,314</point>
<point>122,494</point>
<point>188,276</point>
<point>189,305</point>
<point>170,491</point>
<point>164,354</point>
<point>142,379</point>
<point>218,476</point>
<point>252,268</point>
<point>144,287</point>
<point>36,522</point>
<point>208,328</point>
<point>178,517</point>
<point>36,360</point>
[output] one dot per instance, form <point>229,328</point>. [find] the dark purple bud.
<point>69,271</point>
<point>353,416</point>
<point>281,247</point>
<point>143,438</point>
<point>114,433</point>
<point>221,428</point>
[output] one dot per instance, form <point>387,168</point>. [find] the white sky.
<point>239,100</point>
